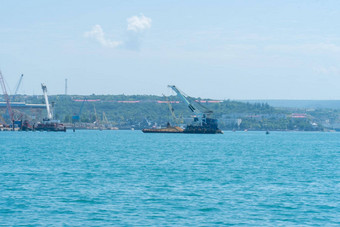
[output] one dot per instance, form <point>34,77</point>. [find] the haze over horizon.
<point>210,49</point>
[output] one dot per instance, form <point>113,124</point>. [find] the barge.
<point>168,129</point>
<point>50,125</point>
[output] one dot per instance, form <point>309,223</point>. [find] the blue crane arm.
<point>77,117</point>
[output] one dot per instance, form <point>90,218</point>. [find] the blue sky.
<point>217,49</point>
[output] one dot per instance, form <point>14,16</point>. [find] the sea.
<point>127,178</point>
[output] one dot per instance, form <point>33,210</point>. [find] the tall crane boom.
<point>49,113</point>
<point>75,117</point>
<point>8,103</point>
<point>18,85</point>
<point>180,94</point>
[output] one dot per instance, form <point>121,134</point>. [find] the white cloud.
<point>138,23</point>
<point>135,26</point>
<point>327,70</point>
<point>308,48</point>
<point>98,34</point>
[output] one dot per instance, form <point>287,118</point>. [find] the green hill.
<point>142,111</point>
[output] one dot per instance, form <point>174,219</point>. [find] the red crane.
<point>6,97</point>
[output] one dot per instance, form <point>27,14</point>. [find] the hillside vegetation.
<point>142,111</point>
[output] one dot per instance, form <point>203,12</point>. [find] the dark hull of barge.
<point>201,130</point>
<point>163,130</point>
<point>50,127</point>
<point>189,130</point>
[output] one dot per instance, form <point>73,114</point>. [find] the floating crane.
<point>6,97</point>
<point>49,124</point>
<point>48,109</point>
<point>200,117</point>
<point>203,123</point>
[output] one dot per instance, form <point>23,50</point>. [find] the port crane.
<point>48,109</point>
<point>97,122</point>
<point>2,120</point>
<point>105,120</point>
<point>76,118</point>
<point>6,97</point>
<point>18,84</point>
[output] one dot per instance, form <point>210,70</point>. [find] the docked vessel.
<point>202,123</point>
<point>49,124</point>
<point>26,126</point>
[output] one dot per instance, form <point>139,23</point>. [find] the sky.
<point>227,49</point>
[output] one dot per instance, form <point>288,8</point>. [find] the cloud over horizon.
<point>135,26</point>
<point>98,34</point>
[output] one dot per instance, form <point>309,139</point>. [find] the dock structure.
<point>29,111</point>
<point>22,105</point>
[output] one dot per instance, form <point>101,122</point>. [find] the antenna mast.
<point>8,103</point>
<point>65,86</point>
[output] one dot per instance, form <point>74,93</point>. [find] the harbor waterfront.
<point>128,178</point>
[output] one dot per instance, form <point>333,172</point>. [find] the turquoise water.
<point>127,178</point>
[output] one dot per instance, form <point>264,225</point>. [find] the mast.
<point>49,113</point>
<point>95,114</point>
<point>8,103</point>
<point>105,121</point>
